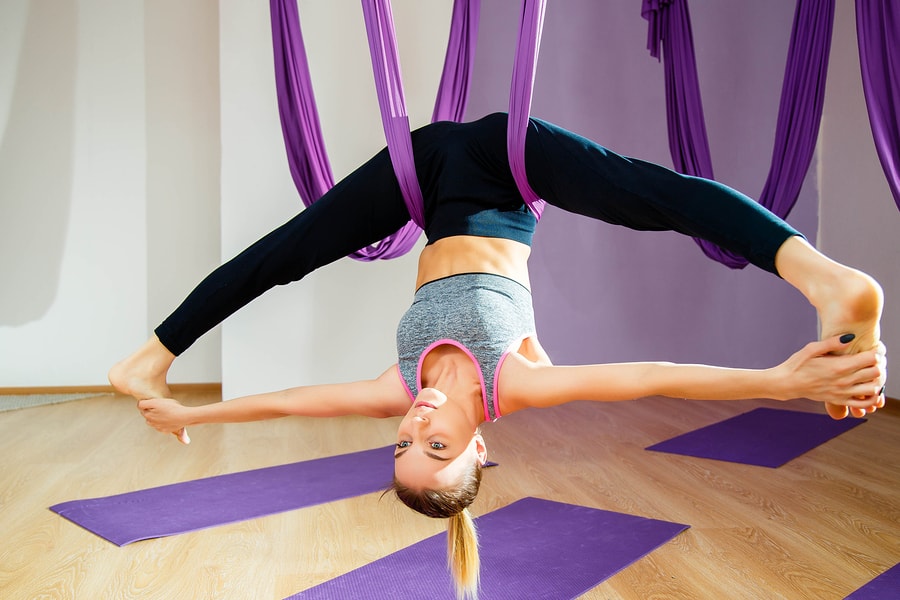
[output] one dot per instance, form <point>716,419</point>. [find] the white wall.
<point>859,221</point>
<point>87,140</point>
<point>339,323</point>
<point>183,166</point>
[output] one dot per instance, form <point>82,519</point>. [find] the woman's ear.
<point>480,448</point>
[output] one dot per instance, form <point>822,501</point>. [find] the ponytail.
<point>462,554</point>
<point>462,538</point>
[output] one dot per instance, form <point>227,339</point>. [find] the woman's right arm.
<point>852,380</point>
<point>382,397</point>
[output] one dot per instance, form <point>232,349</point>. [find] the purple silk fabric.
<point>520,93</point>
<point>799,115</point>
<point>878,30</point>
<point>453,91</point>
<point>392,102</point>
<point>301,129</point>
<point>670,23</point>
<point>303,138</point>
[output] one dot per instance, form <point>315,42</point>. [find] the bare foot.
<point>143,375</point>
<point>854,305</point>
<point>847,300</point>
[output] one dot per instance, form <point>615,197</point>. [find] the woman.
<point>467,349</point>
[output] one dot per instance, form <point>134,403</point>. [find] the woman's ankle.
<point>143,373</point>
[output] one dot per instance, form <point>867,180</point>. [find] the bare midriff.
<point>472,254</point>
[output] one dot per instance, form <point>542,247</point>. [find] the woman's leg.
<point>360,210</point>
<point>580,176</point>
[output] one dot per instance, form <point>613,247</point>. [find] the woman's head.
<point>437,472</point>
<point>437,443</point>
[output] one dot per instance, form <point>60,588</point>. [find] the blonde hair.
<point>462,537</point>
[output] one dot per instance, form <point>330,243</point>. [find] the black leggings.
<point>568,171</point>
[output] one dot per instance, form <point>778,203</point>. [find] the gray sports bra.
<point>484,315</point>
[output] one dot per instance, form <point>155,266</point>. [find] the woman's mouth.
<point>425,404</point>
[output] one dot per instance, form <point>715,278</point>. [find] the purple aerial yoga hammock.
<point>878,31</point>
<point>520,93</point>
<point>392,102</point>
<point>302,132</point>
<point>799,114</point>
<point>388,84</point>
<point>300,123</point>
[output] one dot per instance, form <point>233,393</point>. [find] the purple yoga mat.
<point>531,549</point>
<point>203,503</point>
<point>764,437</point>
<point>883,587</point>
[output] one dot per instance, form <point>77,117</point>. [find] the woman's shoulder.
<point>517,374</point>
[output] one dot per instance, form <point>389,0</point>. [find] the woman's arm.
<point>381,397</point>
<point>813,372</point>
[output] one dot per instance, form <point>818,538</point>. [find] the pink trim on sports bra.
<point>448,341</point>
<point>512,347</point>
<point>412,397</point>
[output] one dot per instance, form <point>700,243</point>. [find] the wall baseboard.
<point>211,387</point>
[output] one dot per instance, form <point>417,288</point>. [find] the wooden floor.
<point>818,528</point>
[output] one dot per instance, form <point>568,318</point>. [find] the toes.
<point>836,411</point>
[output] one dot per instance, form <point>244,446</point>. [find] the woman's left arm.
<point>813,372</point>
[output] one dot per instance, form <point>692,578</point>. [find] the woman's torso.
<point>470,254</point>
<point>477,224</point>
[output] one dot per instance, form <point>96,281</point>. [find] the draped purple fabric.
<point>300,125</point>
<point>453,90</point>
<point>520,93</point>
<point>878,31</point>
<point>800,110</point>
<point>392,102</point>
<point>670,23</point>
<point>301,129</point>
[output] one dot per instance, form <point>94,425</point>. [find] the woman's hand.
<point>166,415</point>
<point>852,380</point>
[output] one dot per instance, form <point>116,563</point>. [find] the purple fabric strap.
<point>520,93</point>
<point>878,31</point>
<point>688,143</point>
<point>383,46</point>
<point>305,145</point>
<point>800,111</point>
<point>300,123</point>
<point>302,132</point>
<point>453,91</point>
<point>392,102</point>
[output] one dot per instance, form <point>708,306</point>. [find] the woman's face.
<point>436,443</point>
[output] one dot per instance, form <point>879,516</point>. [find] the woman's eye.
<point>403,444</point>
<point>437,446</point>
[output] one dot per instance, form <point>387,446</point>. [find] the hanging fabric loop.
<point>878,35</point>
<point>520,93</point>
<point>302,131</point>
<point>388,84</point>
<point>799,112</point>
<point>453,90</point>
<point>392,103</point>
<point>304,143</point>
